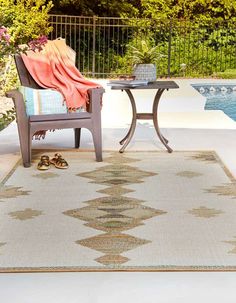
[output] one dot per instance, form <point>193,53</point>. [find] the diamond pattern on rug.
<point>46,175</point>
<point>224,190</point>
<point>204,212</point>
<point>112,214</point>
<point>7,192</point>
<point>115,190</point>
<point>25,214</point>
<point>188,174</point>
<point>112,244</point>
<point>112,259</point>
<point>115,213</point>
<point>205,157</point>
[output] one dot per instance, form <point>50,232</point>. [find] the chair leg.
<point>77,132</point>
<point>22,125</point>
<point>97,141</point>
<point>25,146</point>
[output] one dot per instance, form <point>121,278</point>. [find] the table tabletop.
<point>163,84</point>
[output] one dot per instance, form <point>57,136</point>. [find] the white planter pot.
<point>145,72</point>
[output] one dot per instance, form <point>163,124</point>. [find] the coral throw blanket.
<point>54,67</point>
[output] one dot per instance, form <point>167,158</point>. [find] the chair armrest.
<point>95,97</point>
<point>19,103</point>
<point>22,122</point>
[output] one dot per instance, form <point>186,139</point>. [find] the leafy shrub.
<point>7,118</point>
<point>25,19</point>
<point>21,21</point>
<point>227,74</point>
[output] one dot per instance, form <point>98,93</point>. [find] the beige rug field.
<point>137,211</point>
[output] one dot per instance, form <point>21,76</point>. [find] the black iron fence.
<point>184,49</point>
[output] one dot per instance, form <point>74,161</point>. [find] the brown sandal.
<point>59,162</point>
<point>44,163</point>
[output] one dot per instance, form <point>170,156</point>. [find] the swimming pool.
<point>219,97</point>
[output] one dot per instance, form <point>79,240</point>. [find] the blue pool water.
<point>219,97</point>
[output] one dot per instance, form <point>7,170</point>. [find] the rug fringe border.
<point>123,269</point>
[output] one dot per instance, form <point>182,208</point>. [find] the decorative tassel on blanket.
<point>40,134</point>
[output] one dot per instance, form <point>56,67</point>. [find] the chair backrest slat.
<point>24,76</point>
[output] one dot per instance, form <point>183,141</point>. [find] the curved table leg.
<point>125,141</point>
<point>155,119</point>
<point>126,136</point>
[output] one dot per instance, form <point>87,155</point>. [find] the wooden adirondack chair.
<point>28,125</point>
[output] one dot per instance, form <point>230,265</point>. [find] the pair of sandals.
<point>45,162</point>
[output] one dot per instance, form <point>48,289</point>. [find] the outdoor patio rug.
<point>137,211</point>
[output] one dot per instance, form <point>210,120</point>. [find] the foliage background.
<point>25,20</point>
<point>202,34</point>
<point>197,10</point>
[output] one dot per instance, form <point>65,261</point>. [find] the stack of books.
<point>127,83</point>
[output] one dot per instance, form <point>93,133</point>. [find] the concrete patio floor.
<point>188,127</point>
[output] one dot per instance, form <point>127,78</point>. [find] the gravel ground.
<point>5,104</point>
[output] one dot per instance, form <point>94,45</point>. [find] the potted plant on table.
<point>144,56</point>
